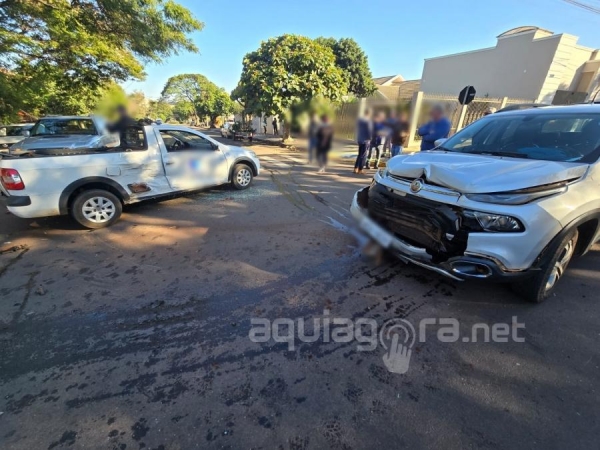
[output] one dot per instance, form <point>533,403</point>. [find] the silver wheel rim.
<point>561,265</point>
<point>244,177</point>
<point>98,209</point>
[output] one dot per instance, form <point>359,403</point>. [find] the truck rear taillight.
<point>11,180</point>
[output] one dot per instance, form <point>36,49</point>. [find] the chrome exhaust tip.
<point>471,270</point>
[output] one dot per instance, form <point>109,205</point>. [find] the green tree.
<point>354,63</point>
<point>202,97</point>
<point>285,73</point>
<point>71,49</point>
<point>110,97</point>
<point>159,109</point>
<point>182,111</point>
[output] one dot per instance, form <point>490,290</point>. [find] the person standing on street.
<point>364,135</point>
<point>437,128</point>
<point>312,137</point>
<point>275,126</point>
<point>323,138</point>
<point>377,140</point>
<point>400,130</point>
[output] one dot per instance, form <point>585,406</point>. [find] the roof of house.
<point>524,29</point>
<point>389,80</point>
<point>399,90</point>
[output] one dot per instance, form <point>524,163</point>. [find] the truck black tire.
<point>96,208</point>
<point>242,177</point>
<point>539,287</point>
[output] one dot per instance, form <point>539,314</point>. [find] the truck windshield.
<point>552,137</point>
<point>60,126</point>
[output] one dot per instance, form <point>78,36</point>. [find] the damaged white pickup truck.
<point>93,184</point>
<point>512,197</point>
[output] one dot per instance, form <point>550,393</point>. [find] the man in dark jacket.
<point>364,135</point>
<point>324,138</point>
<point>122,125</point>
<point>437,128</point>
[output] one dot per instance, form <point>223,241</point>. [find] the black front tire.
<point>242,177</point>
<point>539,287</point>
<point>96,209</point>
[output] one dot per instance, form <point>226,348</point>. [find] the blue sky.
<point>396,35</point>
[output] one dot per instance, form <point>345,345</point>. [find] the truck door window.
<point>177,141</point>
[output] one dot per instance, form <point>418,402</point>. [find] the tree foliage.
<point>354,63</point>
<point>60,53</point>
<point>288,71</point>
<point>159,109</point>
<point>202,97</point>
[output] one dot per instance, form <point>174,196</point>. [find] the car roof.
<point>568,109</point>
<point>17,125</point>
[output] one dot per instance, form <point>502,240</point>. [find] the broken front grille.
<point>439,228</point>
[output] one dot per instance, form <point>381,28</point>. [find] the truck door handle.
<point>169,163</point>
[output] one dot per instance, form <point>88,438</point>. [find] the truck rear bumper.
<point>468,266</point>
<point>18,200</point>
<point>29,207</point>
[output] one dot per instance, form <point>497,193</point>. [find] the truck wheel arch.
<point>588,227</point>
<point>245,161</point>
<point>69,193</point>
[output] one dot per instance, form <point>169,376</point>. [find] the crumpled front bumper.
<point>469,266</point>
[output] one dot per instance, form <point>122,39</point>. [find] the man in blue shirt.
<point>437,128</point>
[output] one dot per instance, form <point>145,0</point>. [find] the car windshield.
<point>550,137</point>
<point>63,127</point>
<point>12,130</point>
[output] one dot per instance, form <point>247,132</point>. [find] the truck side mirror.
<point>26,133</point>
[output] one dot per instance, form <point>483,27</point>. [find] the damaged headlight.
<point>496,222</point>
<point>383,172</point>
<point>521,196</point>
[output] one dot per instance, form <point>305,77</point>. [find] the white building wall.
<point>528,65</point>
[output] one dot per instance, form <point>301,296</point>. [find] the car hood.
<point>59,141</point>
<point>236,152</point>
<point>478,174</point>
<point>10,139</point>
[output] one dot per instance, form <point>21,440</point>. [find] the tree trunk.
<point>287,131</point>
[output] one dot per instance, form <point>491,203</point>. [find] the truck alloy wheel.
<point>242,176</point>
<point>96,208</point>
<point>561,264</point>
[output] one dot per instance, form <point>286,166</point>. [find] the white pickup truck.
<point>92,185</point>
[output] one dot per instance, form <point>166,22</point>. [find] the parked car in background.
<point>512,197</point>
<point>93,184</point>
<point>227,129</point>
<point>11,134</point>
<point>67,132</point>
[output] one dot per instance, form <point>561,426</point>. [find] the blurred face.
<point>403,116</point>
<point>436,114</point>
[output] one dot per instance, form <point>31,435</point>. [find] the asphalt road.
<point>137,336</point>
